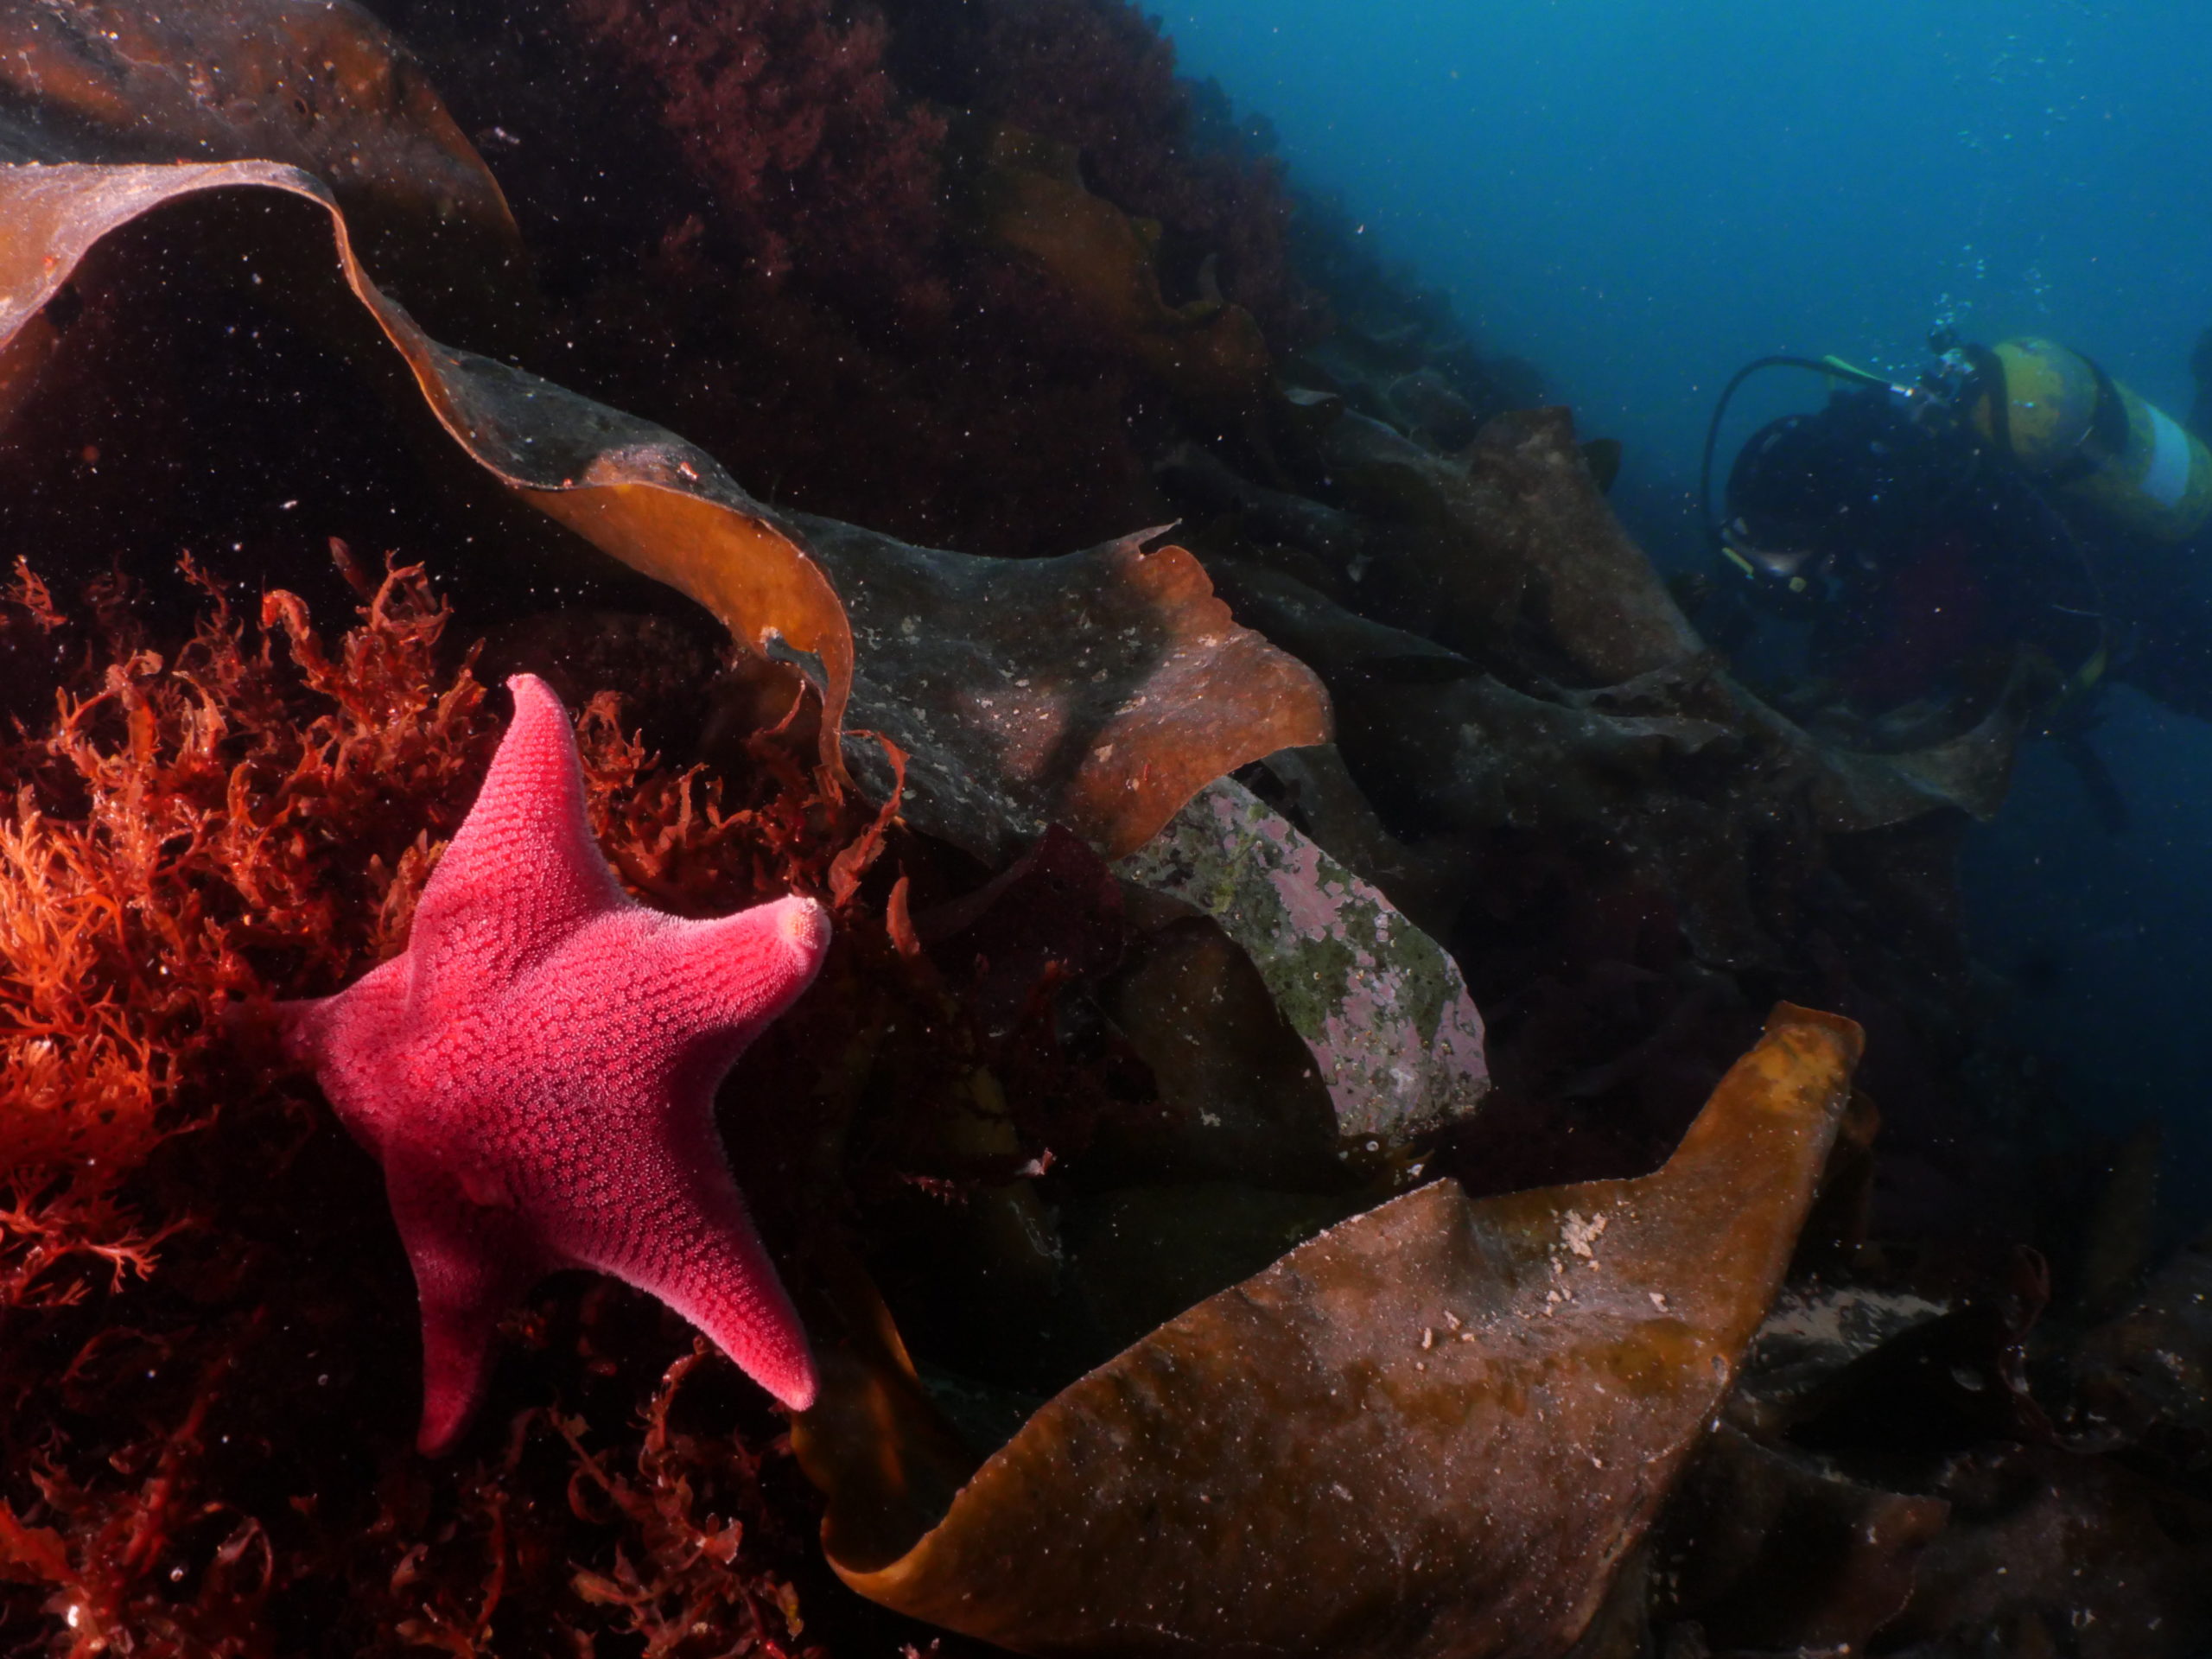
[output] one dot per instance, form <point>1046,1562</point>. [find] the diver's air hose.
<point>1989,378</point>
<point>1828,366</point>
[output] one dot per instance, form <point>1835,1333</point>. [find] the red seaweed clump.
<point>815,157</point>
<point>209,1358</point>
<point>207,1331</point>
<point>753,225</point>
<point>1100,75</point>
<point>169,855</point>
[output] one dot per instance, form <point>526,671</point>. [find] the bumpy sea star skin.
<point>536,1071</point>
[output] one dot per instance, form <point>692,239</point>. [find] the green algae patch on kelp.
<point>1381,1004</point>
<point>1439,1427</point>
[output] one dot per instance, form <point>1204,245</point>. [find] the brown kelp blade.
<point>324,86</point>
<point>318,99</point>
<point>1026,194</point>
<point>976,668</point>
<point>1100,690</point>
<point>637,490</point>
<point>1436,1428</point>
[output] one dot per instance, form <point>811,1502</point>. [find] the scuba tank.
<point>2088,441</point>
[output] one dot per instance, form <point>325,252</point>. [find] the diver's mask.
<point>1814,498</point>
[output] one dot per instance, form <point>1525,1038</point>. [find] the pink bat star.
<point>536,1074</point>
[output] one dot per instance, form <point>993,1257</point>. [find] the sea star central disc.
<point>537,1072</point>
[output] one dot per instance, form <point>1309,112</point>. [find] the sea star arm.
<point>689,1242</point>
<point>522,873</point>
<point>717,983</point>
<point>661,1210</point>
<point>341,1036</point>
<point>473,1262</point>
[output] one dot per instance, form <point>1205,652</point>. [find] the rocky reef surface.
<point>1368,1097</point>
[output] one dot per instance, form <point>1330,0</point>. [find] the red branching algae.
<point>170,848</point>
<point>682,1503</point>
<point>207,1343</point>
<point>815,156</point>
<point>203,1325</point>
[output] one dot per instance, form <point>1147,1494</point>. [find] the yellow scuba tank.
<point>2092,444</point>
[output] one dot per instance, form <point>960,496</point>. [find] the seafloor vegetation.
<point>1191,1268</point>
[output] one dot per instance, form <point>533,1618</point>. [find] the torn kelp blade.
<point>1435,1429</point>
<point>637,490</point>
<point>1099,690</point>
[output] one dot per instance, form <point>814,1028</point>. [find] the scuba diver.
<point>2015,510</point>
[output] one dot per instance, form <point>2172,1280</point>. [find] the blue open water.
<point>1641,196</point>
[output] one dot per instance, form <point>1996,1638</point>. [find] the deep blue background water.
<point>1639,196</point>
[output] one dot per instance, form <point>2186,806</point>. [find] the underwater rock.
<point>1602,456</point>
<point>2144,1377</point>
<point>2120,1226</point>
<point>1568,675</point>
<point>1528,761</point>
<point>1436,1428</point>
<point>1655,769</point>
<point>1950,1384</point>
<point>1028,195</point>
<point>1541,564</point>
<point>1683,766</point>
<point>1427,408</point>
<point>1381,1005</point>
<point>1854,791</point>
<point>1401,357</point>
<point>1814,1332</point>
<point>1343,541</point>
<point>2048,1552</point>
<point>1346,648</point>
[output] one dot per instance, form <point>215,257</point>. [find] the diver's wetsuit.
<point>1931,592</point>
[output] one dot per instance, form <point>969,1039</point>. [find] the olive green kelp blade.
<point>1435,1429</point>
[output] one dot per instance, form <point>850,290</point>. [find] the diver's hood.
<point>1855,476</point>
